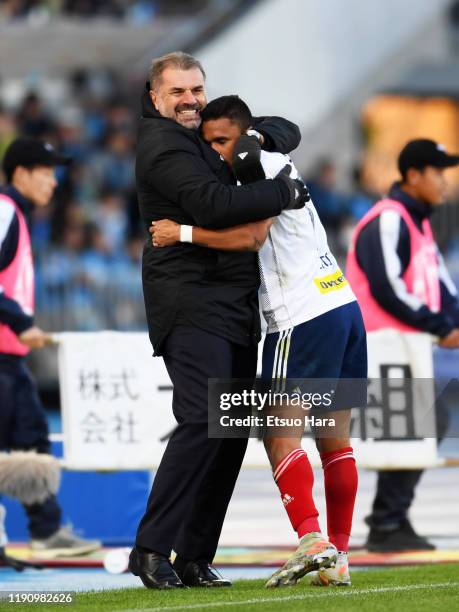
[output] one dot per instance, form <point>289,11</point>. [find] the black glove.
<point>299,193</point>
<point>246,160</point>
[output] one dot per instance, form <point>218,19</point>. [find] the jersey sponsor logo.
<point>332,282</point>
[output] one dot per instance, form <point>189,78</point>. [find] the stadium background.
<point>359,78</point>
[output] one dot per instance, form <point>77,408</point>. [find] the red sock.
<point>294,477</point>
<point>340,474</point>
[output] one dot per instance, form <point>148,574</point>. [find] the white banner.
<point>116,403</point>
<point>392,358</point>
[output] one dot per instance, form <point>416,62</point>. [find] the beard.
<point>188,115</point>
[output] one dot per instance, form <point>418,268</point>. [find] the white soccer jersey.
<point>300,278</point>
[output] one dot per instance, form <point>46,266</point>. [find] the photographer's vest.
<point>17,281</point>
<point>420,277</point>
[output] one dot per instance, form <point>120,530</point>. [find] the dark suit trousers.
<point>396,489</point>
<point>195,480</point>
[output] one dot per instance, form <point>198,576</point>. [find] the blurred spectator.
<point>111,220</point>
<point>32,119</point>
<point>113,166</point>
<point>330,203</point>
<point>8,130</point>
<point>91,8</point>
<point>360,200</point>
<point>142,11</point>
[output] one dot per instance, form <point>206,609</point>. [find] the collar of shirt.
<point>418,209</point>
<point>24,204</point>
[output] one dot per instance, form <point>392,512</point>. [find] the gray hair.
<point>176,59</point>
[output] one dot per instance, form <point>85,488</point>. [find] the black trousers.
<point>396,489</point>
<point>195,480</point>
<point>23,426</point>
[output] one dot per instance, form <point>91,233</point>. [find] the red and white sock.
<point>294,477</point>
<point>341,479</point>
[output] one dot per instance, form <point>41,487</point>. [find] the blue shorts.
<point>332,345</point>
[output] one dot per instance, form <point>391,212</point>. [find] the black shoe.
<point>154,570</point>
<point>199,574</point>
<point>396,540</point>
<point>407,527</point>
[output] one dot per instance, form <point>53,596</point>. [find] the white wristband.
<point>186,233</point>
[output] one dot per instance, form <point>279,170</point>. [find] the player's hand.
<point>299,193</point>
<point>450,341</point>
<point>246,162</point>
<point>35,338</point>
<point>164,233</point>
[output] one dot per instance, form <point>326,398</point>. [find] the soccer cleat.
<point>313,553</point>
<point>334,576</point>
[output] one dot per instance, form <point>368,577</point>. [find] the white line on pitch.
<point>332,593</point>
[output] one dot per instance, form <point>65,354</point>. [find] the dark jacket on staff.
<point>384,257</point>
<point>180,177</point>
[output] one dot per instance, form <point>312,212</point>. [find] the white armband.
<point>186,233</point>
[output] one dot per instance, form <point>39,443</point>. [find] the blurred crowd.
<point>137,11</point>
<point>88,243</point>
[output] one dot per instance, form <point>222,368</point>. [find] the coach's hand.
<point>299,193</point>
<point>450,341</point>
<point>164,233</point>
<point>35,338</point>
<point>246,162</point>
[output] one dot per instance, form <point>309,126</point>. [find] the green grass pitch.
<point>417,589</point>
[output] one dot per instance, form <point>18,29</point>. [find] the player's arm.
<point>246,237</point>
<point>181,175</point>
<point>278,134</point>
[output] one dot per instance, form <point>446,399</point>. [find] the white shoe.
<point>313,553</point>
<point>334,576</point>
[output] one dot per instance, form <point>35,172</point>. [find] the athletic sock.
<point>340,474</point>
<point>294,477</point>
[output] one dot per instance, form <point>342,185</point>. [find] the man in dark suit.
<point>202,312</point>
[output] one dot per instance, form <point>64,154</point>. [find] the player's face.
<point>180,96</point>
<point>431,185</point>
<point>38,184</point>
<point>222,135</point>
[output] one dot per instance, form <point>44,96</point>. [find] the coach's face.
<point>180,96</point>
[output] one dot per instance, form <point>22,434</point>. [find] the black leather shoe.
<point>396,540</point>
<point>200,574</point>
<point>154,570</point>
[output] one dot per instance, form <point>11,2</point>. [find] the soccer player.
<point>314,330</point>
